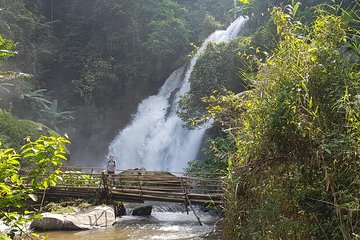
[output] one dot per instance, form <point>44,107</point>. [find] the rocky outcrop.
<point>142,211</point>
<point>99,216</point>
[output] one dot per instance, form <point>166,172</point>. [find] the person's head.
<point>111,157</point>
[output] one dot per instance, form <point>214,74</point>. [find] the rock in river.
<point>99,216</point>
<point>142,211</point>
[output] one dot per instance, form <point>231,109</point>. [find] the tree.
<point>54,117</point>
<point>97,82</point>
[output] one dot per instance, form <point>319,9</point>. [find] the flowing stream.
<point>156,138</point>
<point>164,224</point>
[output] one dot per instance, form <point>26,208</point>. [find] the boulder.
<point>119,209</point>
<point>142,211</point>
<point>99,216</point>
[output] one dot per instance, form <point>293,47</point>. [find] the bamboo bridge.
<point>139,185</point>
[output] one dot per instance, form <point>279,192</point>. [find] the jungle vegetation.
<point>284,97</point>
<point>290,142</point>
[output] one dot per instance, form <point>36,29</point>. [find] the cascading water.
<point>156,138</point>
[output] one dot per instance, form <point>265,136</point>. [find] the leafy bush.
<point>18,185</point>
<point>14,130</point>
<point>215,154</point>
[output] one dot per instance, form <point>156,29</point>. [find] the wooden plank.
<point>145,192</point>
<point>144,180</point>
<point>147,188</point>
<point>149,197</point>
<point>144,196</point>
<point>167,199</point>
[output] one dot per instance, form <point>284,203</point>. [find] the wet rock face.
<point>100,216</point>
<point>53,221</point>
<point>142,211</point>
<point>119,209</point>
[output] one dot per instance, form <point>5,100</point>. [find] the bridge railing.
<point>154,185</point>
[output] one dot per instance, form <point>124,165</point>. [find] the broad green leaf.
<point>14,178</point>
<point>53,182</point>
<point>29,155</point>
<point>296,8</point>
<point>61,156</point>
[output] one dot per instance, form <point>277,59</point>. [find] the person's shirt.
<point>111,166</point>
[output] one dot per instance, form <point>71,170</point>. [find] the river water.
<point>164,224</point>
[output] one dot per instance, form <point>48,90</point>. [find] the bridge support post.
<point>104,188</point>
<point>189,202</point>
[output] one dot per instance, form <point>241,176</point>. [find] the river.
<point>167,222</point>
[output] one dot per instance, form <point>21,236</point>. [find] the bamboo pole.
<point>192,208</point>
<point>186,203</point>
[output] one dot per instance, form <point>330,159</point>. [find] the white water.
<point>156,138</point>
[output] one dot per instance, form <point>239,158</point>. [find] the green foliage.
<point>28,29</point>
<point>265,37</point>
<point>76,178</point>
<point>13,130</point>
<point>96,81</point>
<point>55,117</point>
<point>6,50</point>
<point>55,208</point>
<point>296,133</point>
<point>18,185</point>
<point>65,207</point>
<point>167,37</point>
<point>138,40</point>
<point>216,156</point>
<point>35,98</point>
<point>215,70</point>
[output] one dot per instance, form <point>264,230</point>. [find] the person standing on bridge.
<point>110,168</point>
<point>111,165</point>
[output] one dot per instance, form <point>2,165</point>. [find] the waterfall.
<point>156,138</point>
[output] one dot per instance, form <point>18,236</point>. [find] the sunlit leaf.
<point>245,1</point>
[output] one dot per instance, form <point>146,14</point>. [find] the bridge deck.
<point>140,185</point>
